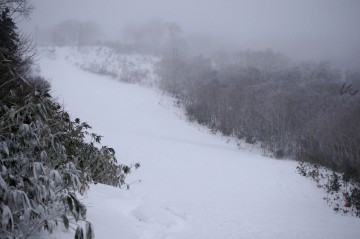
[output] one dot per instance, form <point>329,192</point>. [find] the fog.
<point>306,29</point>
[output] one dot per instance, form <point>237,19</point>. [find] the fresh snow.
<point>194,184</point>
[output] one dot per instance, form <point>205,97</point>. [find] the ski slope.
<point>194,184</point>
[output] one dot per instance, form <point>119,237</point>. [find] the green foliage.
<point>9,38</point>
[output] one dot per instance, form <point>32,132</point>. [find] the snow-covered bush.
<point>134,68</point>
<point>342,193</point>
<point>46,161</point>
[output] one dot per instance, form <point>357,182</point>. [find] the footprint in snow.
<point>158,222</point>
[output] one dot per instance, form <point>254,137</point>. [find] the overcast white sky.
<point>304,28</point>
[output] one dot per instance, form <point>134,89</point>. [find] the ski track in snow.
<point>193,184</point>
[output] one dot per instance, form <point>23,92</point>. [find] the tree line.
<point>308,111</point>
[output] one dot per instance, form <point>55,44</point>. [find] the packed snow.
<point>194,184</point>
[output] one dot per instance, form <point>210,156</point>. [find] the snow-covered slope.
<point>193,184</point>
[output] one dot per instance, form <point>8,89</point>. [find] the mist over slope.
<point>304,30</point>
<point>194,184</point>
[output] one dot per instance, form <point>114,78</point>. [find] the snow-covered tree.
<point>45,160</point>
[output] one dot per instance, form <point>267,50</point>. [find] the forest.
<point>309,111</point>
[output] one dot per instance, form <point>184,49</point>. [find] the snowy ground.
<point>193,184</point>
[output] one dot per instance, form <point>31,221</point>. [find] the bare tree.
<point>18,8</point>
<point>292,110</point>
